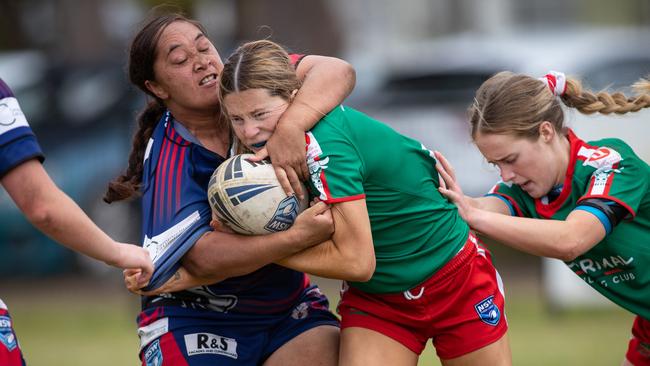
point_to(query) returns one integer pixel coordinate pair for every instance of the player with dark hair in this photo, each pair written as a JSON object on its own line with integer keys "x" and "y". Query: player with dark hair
{"x": 586, "y": 203}
{"x": 49, "y": 209}
{"x": 251, "y": 311}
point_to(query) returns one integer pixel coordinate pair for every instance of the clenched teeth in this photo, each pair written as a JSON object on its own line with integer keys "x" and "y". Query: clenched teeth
{"x": 208, "y": 79}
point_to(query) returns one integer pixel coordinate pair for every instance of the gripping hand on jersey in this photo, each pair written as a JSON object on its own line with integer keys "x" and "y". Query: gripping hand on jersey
{"x": 450, "y": 189}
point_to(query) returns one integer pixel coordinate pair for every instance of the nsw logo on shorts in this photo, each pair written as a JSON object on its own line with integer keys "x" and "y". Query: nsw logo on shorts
{"x": 153, "y": 355}
{"x": 7, "y": 336}
{"x": 488, "y": 311}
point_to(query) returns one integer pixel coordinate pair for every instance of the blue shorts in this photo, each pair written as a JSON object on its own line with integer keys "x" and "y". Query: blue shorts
{"x": 203, "y": 337}
{"x": 10, "y": 354}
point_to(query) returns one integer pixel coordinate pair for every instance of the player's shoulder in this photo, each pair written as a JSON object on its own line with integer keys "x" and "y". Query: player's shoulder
{"x": 5, "y": 90}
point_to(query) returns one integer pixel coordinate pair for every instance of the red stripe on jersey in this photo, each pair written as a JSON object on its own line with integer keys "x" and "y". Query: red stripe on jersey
{"x": 170, "y": 176}
{"x": 163, "y": 186}
{"x": 346, "y": 199}
{"x": 157, "y": 210}
{"x": 179, "y": 174}
{"x": 146, "y": 319}
{"x": 547, "y": 211}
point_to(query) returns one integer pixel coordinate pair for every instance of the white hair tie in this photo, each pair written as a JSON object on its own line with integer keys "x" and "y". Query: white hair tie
{"x": 556, "y": 81}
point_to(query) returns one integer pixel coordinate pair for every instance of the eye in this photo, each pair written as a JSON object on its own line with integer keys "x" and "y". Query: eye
{"x": 235, "y": 120}
{"x": 260, "y": 115}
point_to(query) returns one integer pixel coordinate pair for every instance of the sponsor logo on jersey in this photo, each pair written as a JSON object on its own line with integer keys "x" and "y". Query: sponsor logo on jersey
{"x": 316, "y": 165}
{"x": 284, "y": 215}
{"x": 7, "y": 336}
{"x": 152, "y": 331}
{"x": 301, "y": 311}
{"x": 208, "y": 343}
{"x": 487, "y": 311}
{"x": 588, "y": 265}
{"x": 159, "y": 244}
{"x": 11, "y": 116}
{"x": 209, "y": 300}
{"x": 601, "y": 158}
{"x": 153, "y": 355}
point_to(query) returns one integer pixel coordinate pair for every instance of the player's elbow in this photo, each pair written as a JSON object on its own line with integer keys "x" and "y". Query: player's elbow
{"x": 39, "y": 214}
{"x": 570, "y": 249}
{"x": 360, "y": 267}
{"x": 197, "y": 264}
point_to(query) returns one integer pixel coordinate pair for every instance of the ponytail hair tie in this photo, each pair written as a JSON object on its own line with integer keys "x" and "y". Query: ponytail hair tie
{"x": 556, "y": 81}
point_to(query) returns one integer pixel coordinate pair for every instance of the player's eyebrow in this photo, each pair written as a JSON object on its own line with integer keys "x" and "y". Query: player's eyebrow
{"x": 176, "y": 45}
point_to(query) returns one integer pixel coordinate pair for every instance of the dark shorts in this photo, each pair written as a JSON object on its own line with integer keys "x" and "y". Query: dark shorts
{"x": 461, "y": 307}
{"x": 213, "y": 338}
{"x": 10, "y": 354}
{"x": 638, "y": 351}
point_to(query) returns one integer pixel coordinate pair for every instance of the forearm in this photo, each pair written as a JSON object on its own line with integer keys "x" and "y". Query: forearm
{"x": 55, "y": 214}
{"x": 328, "y": 260}
{"x": 547, "y": 238}
{"x": 326, "y": 84}
{"x": 74, "y": 229}
{"x": 220, "y": 255}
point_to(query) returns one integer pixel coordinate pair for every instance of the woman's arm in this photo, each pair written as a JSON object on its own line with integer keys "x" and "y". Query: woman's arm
{"x": 561, "y": 239}
{"x": 327, "y": 81}
{"x": 59, "y": 217}
{"x": 218, "y": 255}
{"x": 349, "y": 255}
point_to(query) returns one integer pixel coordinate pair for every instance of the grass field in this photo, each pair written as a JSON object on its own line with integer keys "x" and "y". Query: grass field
{"x": 68, "y": 323}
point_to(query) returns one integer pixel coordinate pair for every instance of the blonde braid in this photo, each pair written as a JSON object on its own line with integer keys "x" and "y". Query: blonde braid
{"x": 605, "y": 103}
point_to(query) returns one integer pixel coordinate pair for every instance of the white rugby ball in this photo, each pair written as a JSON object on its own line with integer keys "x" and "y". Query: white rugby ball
{"x": 247, "y": 197}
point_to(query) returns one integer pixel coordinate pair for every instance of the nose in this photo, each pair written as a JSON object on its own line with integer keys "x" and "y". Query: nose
{"x": 250, "y": 130}
{"x": 201, "y": 62}
{"x": 507, "y": 174}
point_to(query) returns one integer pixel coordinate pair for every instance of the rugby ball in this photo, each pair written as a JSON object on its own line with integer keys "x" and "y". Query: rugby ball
{"x": 247, "y": 197}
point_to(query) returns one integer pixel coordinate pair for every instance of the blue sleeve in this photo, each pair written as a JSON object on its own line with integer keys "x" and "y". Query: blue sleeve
{"x": 168, "y": 247}
{"x": 609, "y": 212}
{"x": 18, "y": 150}
{"x": 600, "y": 215}
{"x": 17, "y": 141}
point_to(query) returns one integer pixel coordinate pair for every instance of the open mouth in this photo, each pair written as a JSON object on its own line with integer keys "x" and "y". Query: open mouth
{"x": 208, "y": 79}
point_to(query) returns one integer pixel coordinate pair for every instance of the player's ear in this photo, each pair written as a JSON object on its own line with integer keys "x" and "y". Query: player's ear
{"x": 546, "y": 131}
{"x": 156, "y": 89}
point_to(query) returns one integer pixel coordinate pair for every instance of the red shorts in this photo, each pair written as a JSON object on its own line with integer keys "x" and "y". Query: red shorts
{"x": 638, "y": 351}
{"x": 461, "y": 307}
{"x": 10, "y": 354}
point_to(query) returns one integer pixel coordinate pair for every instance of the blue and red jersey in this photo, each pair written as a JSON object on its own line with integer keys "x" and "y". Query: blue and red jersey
{"x": 176, "y": 213}
{"x": 18, "y": 143}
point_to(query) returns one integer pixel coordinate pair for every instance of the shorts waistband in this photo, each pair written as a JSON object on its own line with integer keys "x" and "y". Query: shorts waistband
{"x": 461, "y": 258}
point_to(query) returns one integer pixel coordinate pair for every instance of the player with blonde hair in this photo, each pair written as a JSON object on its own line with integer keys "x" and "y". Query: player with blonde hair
{"x": 584, "y": 202}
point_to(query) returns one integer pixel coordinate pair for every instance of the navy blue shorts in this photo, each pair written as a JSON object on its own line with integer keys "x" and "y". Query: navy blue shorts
{"x": 203, "y": 337}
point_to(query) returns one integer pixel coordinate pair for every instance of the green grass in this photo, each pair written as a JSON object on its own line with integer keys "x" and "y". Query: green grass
{"x": 69, "y": 323}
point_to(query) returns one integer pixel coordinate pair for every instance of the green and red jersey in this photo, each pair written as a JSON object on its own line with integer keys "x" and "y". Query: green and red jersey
{"x": 607, "y": 169}
{"x": 415, "y": 230}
